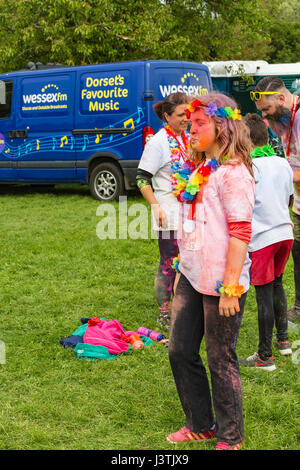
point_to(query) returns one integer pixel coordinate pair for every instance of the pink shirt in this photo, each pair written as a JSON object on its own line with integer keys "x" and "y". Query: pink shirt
{"x": 227, "y": 197}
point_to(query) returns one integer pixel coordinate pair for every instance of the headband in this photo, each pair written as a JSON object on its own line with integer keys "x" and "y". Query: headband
{"x": 212, "y": 109}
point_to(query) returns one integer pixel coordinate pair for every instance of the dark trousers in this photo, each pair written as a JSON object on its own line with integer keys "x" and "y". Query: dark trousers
{"x": 195, "y": 315}
{"x": 165, "y": 276}
{"x": 271, "y": 308}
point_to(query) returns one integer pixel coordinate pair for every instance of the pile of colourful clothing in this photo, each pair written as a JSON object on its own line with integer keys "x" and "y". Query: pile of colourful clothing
{"x": 97, "y": 338}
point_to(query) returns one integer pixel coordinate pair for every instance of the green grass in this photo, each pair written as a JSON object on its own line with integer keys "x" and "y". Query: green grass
{"x": 55, "y": 270}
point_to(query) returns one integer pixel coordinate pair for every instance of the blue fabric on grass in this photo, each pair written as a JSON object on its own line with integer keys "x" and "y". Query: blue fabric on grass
{"x": 71, "y": 341}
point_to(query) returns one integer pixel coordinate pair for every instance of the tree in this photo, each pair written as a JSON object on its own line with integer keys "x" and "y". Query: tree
{"x": 77, "y": 32}
{"x": 224, "y": 30}
{"x": 285, "y": 33}
{"x": 83, "y": 32}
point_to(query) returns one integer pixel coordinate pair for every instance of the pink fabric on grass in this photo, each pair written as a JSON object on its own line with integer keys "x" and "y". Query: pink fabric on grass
{"x": 107, "y": 333}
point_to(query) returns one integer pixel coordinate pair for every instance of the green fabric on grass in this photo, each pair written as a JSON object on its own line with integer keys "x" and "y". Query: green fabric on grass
{"x": 92, "y": 352}
{"x": 80, "y": 330}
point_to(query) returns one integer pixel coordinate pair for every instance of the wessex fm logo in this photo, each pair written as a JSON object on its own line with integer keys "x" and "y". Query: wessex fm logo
{"x": 195, "y": 89}
{"x": 46, "y": 96}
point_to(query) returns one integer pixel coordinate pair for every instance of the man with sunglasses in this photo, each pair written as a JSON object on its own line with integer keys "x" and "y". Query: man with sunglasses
{"x": 282, "y": 110}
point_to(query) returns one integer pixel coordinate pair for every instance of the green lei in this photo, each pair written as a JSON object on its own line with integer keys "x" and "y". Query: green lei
{"x": 265, "y": 151}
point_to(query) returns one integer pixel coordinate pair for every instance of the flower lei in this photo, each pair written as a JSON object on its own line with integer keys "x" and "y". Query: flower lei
{"x": 230, "y": 290}
{"x": 181, "y": 165}
{"x": 212, "y": 109}
{"x": 184, "y": 189}
{"x": 175, "y": 264}
{"x": 265, "y": 151}
{"x": 177, "y": 150}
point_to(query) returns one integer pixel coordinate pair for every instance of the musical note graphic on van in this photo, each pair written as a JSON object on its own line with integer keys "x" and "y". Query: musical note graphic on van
{"x": 85, "y": 142}
{"x": 64, "y": 141}
{"x": 129, "y": 124}
{"x": 140, "y": 114}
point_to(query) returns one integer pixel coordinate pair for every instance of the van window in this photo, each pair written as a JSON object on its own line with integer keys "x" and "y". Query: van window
{"x": 6, "y": 88}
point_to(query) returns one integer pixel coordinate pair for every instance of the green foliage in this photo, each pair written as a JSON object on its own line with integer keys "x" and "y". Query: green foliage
{"x": 240, "y": 72}
{"x": 285, "y": 33}
{"x": 285, "y": 43}
{"x": 223, "y": 30}
{"x": 74, "y": 32}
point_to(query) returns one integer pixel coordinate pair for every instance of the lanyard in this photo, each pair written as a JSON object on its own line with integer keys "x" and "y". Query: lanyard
{"x": 288, "y": 139}
{"x": 184, "y": 140}
{"x": 189, "y": 224}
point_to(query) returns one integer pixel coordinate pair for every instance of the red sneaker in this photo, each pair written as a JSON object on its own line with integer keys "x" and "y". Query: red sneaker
{"x": 284, "y": 347}
{"x": 186, "y": 435}
{"x": 226, "y": 446}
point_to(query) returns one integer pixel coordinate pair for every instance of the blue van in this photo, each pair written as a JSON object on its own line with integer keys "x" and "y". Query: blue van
{"x": 86, "y": 124}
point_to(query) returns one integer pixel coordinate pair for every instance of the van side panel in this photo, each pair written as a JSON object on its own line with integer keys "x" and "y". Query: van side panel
{"x": 67, "y": 123}
{"x": 110, "y": 113}
{"x": 45, "y": 108}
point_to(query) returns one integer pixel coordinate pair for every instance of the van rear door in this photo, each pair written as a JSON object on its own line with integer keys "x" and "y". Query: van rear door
{"x": 45, "y": 108}
{"x": 8, "y": 155}
{"x": 166, "y": 77}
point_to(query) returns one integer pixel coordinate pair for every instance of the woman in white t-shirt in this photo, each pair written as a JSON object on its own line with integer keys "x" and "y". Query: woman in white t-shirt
{"x": 154, "y": 181}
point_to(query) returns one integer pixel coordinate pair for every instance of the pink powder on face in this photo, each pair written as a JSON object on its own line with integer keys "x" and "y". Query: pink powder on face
{"x": 206, "y": 141}
{"x": 203, "y": 131}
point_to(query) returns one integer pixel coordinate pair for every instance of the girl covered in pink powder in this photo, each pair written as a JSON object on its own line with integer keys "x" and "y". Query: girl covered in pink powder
{"x": 215, "y": 229}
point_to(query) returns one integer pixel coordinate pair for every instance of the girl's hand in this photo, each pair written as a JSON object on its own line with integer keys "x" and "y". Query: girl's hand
{"x": 228, "y": 306}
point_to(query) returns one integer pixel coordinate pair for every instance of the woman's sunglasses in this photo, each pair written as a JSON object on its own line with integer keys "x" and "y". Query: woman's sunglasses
{"x": 256, "y": 95}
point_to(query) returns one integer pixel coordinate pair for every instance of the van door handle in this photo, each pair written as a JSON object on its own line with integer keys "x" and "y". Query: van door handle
{"x": 17, "y": 134}
{"x": 148, "y": 95}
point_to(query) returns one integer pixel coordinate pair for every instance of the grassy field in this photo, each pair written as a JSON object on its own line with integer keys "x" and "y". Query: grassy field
{"x": 55, "y": 270}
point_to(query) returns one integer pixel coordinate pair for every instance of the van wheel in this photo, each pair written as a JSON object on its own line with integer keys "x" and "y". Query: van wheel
{"x": 106, "y": 182}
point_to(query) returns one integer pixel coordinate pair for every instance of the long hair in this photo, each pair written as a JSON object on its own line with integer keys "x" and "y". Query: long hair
{"x": 232, "y": 136}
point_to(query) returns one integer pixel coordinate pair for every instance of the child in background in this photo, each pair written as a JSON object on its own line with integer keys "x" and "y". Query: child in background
{"x": 271, "y": 243}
